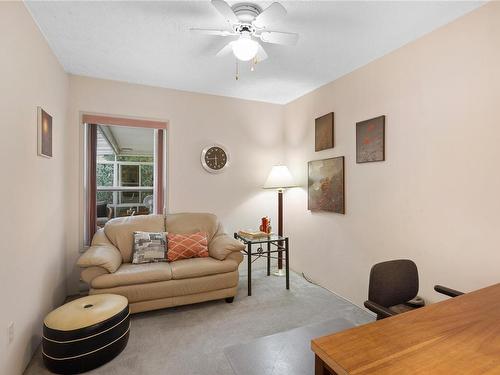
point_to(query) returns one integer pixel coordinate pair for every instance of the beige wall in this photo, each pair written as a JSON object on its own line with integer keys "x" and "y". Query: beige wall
{"x": 43, "y": 202}
{"x": 33, "y": 191}
{"x": 436, "y": 198}
{"x": 252, "y": 131}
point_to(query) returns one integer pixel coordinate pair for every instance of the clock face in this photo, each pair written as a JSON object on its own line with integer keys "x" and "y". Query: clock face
{"x": 214, "y": 158}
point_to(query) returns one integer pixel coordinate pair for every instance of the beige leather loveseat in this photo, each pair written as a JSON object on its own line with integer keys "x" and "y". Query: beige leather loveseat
{"x": 107, "y": 268}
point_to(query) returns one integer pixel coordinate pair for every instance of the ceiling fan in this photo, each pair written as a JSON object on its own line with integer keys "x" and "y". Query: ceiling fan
{"x": 248, "y": 23}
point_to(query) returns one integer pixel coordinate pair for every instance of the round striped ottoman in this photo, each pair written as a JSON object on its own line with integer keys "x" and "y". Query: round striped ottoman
{"x": 85, "y": 333}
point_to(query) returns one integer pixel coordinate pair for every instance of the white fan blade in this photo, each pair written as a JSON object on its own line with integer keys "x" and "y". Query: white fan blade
{"x": 261, "y": 54}
{"x": 226, "y": 11}
{"x": 228, "y": 48}
{"x": 272, "y": 13}
{"x": 212, "y": 31}
{"x": 278, "y": 37}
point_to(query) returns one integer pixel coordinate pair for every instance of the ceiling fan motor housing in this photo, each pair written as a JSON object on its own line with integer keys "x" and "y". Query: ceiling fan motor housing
{"x": 246, "y": 12}
{"x": 244, "y": 29}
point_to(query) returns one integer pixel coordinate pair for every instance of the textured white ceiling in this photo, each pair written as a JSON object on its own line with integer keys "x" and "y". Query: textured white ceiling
{"x": 150, "y": 42}
{"x": 139, "y": 140}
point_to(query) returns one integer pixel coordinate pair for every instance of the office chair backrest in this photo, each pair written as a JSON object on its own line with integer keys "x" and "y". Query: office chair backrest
{"x": 102, "y": 209}
{"x": 393, "y": 282}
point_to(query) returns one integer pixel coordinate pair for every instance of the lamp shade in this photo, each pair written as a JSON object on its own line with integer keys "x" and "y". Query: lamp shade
{"x": 245, "y": 48}
{"x": 279, "y": 177}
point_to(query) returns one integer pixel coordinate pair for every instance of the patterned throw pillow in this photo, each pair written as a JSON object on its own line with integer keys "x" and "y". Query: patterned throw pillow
{"x": 184, "y": 246}
{"x": 149, "y": 247}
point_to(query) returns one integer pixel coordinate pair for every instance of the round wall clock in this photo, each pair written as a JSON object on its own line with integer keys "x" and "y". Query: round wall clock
{"x": 215, "y": 158}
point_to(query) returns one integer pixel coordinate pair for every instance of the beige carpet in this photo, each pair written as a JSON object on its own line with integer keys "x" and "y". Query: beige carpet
{"x": 190, "y": 340}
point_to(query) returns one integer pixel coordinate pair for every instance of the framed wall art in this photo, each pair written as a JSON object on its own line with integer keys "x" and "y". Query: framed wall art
{"x": 326, "y": 185}
{"x": 324, "y": 132}
{"x": 44, "y": 123}
{"x": 370, "y": 140}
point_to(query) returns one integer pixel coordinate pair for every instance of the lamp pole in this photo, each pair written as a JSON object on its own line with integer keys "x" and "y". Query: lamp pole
{"x": 279, "y": 178}
{"x": 280, "y": 271}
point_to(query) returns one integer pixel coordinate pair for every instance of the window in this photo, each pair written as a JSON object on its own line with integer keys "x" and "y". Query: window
{"x": 132, "y": 171}
{"x": 124, "y": 173}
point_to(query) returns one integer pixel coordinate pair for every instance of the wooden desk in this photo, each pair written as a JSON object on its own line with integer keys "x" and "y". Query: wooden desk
{"x": 457, "y": 336}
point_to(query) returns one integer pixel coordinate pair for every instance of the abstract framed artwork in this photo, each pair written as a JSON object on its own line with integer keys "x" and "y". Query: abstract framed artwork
{"x": 44, "y": 123}
{"x": 370, "y": 140}
{"x": 324, "y": 132}
{"x": 326, "y": 185}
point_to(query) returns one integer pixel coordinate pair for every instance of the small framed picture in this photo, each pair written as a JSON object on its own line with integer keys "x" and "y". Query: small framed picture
{"x": 44, "y": 133}
{"x": 370, "y": 140}
{"x": 324, "y": 132}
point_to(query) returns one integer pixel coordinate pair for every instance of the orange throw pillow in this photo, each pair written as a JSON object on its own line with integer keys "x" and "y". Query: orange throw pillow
{"x": 185, "y": 246}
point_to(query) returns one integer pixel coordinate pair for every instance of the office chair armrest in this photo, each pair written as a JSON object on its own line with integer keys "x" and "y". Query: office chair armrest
{"x": 447, "y": 291}
{"x": 381, "y": 311}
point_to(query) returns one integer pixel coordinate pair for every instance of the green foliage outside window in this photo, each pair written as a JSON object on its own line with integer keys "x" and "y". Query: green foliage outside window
{"x": 146, "y": 175}
{"x": 104, "y": 174}
{"x": 105, "y": 196}
{"x": 143, "y": 159}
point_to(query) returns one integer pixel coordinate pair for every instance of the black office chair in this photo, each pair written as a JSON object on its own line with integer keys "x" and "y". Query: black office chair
{"x": 104, "y": 213}
{"x": 393, "y": 288}
{"x": 447, "y": 291}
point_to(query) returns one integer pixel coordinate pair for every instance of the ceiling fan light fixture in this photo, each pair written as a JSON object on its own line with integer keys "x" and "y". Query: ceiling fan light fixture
{"x": 245, "y": 49}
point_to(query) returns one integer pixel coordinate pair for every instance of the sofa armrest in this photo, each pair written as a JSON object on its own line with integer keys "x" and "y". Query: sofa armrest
{"x": 235, "y": 256}
{"x": 90, "y": 273}
{"x": 223, "y": 245}
{"x": 101, "y": 255}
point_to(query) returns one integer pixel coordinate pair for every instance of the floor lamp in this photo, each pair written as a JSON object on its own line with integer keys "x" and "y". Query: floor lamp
{"x": 279, "y": 178}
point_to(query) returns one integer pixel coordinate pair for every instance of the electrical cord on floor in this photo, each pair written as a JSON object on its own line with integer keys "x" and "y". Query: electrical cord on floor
{"x": 309, "y": 280}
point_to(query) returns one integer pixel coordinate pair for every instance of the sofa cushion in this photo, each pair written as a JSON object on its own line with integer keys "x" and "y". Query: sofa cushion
{"x": 132, "y": 274}
{"x": 187, "y": 223}
{"x": 186, "y": 246}
{"x": 197, "y": 267}
{"x": 173, "y": 288}
{"x": 120, "y": 231}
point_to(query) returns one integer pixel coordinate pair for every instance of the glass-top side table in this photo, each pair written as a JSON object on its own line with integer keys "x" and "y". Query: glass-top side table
{"x": 273, "y": 244}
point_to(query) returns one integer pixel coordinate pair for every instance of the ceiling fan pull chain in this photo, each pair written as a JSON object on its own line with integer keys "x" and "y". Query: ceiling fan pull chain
{"x": 237, "y": 77}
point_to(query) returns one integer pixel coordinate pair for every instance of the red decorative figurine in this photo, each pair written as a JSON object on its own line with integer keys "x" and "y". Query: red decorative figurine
{"x": 265, "y": 226}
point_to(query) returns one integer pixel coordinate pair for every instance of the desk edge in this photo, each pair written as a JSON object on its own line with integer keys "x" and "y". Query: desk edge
{"x": 339, "y": 370}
